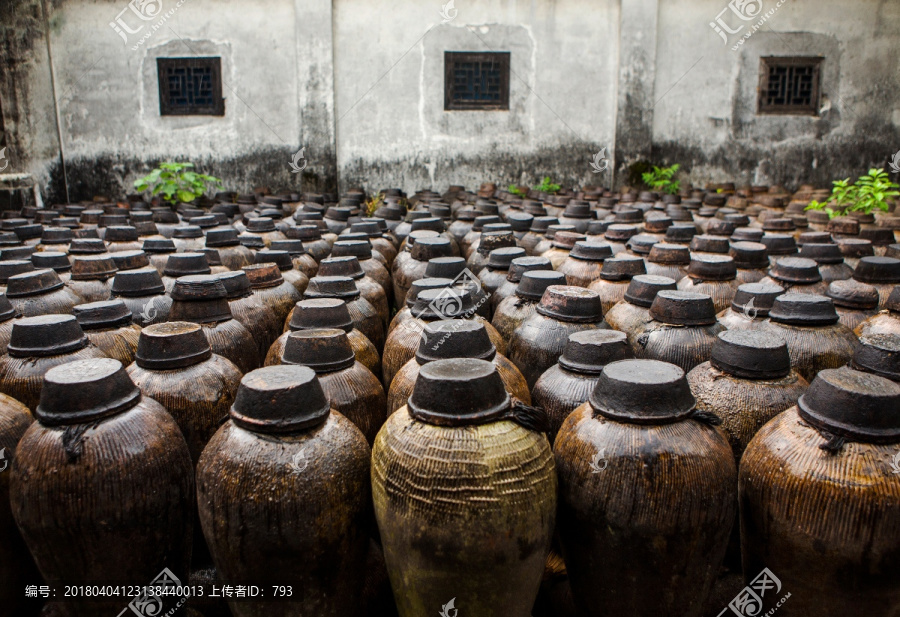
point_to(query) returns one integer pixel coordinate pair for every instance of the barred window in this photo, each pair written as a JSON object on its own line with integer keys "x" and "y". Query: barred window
{"x": 789, "y": 85}
{"x": 476, "y": 81}
{"x": 190, "y": 87}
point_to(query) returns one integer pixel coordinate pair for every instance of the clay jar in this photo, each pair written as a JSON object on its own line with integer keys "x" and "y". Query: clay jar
{"x": 312, "y": 239}
{"x": 121, "y": 238}
{"x": 810, "y": 327}
{"x": 489, "y": 240}
{"x": 854, "y": 302}
{"x": 144, "y": 294}
{"x": 751, "y": 260}
{"x": 583, "y": 264}
{"x": 351, "y": 388}
{"x": 882, "y": 273}
{"x": 8, "y": 317}
{"x": 562, "y": 244}
{"x": 270, "y": 287}
{"x": 615, "y": 275}
{"x": 886, "y": 321}
{"x": 176, "y": 367}
{"x": 454, "y": 268}
{"x": 829, "y": 259}
{"x": 109, "y": 327}
{"x": 713, "y": 275}
{"x": 251, "y": 310}
{"x": 682, "y": 330}
{"x": 747, "y": 382}
{"x": 538, "y": 342}
{"x": 368, "y": 287}
{"x": 797, "y": 275}
{"x": 457, "y": 441}
{"x": 188, "y": 238}
{"x": 518, "y": 267}
{"x": 669, "y": 260}
{"x": 633, "y": 311}
{"x": 203, "y": 300}
{"x": 269, "y": 503}
{"x": 36, "y": 345}
{"x": 184, "y": 264}
{"x": 92, "y": 277}
{"x": 494, "y": 274}
{"x": 405, "y": 271}
{"x": 158, "y": 251}
{"x": 365, "y": 318}
{"x": 515, "y": 309}
{"x": 568, "y": 383}
{"x": 285, "y": 264}
{"x": 643, "y": 482}
{"x": 40, "y": 293}
{"x": 405, "y": 313}
{"x": 878, "y": 354}
{"x": 535, "y": 235}
{"x": 17, "y": 569}
{"x": 372, "y": 227}
{"x": 96, "y": 437}
{"x": 750, "y": 306}
{"x": 233, "y": 254}
{"x": 374, "y": 269}
{"x": 807, "y": 482}
{"x": 12, "y": 267}
{"x": 58, "y": 262}
{"x": 454, "y": 338}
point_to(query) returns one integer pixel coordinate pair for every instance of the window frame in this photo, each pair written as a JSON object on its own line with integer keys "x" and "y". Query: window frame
{"x": 766, "y": 63}
{"x": 167, "y": 108}
{"x": 450, "y": 60}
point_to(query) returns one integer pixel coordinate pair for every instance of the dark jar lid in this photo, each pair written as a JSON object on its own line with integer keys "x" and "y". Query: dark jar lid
{"x": 781, "y": 224}
{"x": 341, "y": 266}
{"x": 712, "y": 268}
{"x": 501, "y": 259}
{"x": 46, "y": 335}
{"x": 879, "y": 354}
{"x": 643, "y": 288}
{"x": 571, "y": 304}
{"x": 264, "y": 276}
{"x": 33, "y": 283}
{"x": 445, "y": 267}
{"x": 683, "y": 308}
{"x": 422, "y": 284}
{"x": 158, "y": 245}
{"x": 443, "y": 303}
{"x": 779, "y": 244}
{"x": 535, "y": 283}
{"x": 199, "y": 299}
{"x": 121, "y": 233}
{"x": 85, "y": 391}
{"x": 826, "y": 253}
{"x": 852, "y": 404}
{"x": 280, "y": 399}
{"x": 172, "y": 345}
{"x": 749, "y": 255}
{"x": 25, "y": 232}
{"x": 799, "y": 309}
{"x": 251, "y": 241}
{"x": 136, "y": 283}
{"x": 876, "y": 235}
{"x": 521, "y": 265}
{"x": 360, "y": 249}
{"x": 282, "y": 259}
{"x": 17, "y": 253}
{"x": 796, "y": 270}
{"x": 566, "y": 240}
{"x": 321, "y": 313}
{"x": 619, "y": 232}
{"x": 183, "y": 264}
{"x": 878, "y": 270}
{"x": 425, "y": 249}
{"x": 341, "y": 287}
{"x": 103, "y": 314}
{"x": 622, "y": 268}
{"x": 7, "y": 310}
{"x": 681, "y": 233}
{"x": 747, "y": 234}
{"x": 642, "y": 392}
{"x": 323, "y": 350}
{"x": 657, "y": 224}
{"x": 843, "y": 225}
{"x": 755, "y": 299}
{"x": 57, "y": 235}
{"x": 669, "y": 254}
{"x": 93, "y": 268}
{"x": 588, "y": 351}
{"x": 222, "y": 237}
{"x": 455, "y": 338}
{"x": 591, "y": 251}
{"x": 709, "y": 244}
{"x": 814, "y": 237}
{"x": 539, "y": 225}
{"x": 718, "y": 227}
{"x": 12, "y": 267}
{"x": 642, "y": 244}
{"x": 130, "y": 260}
{"x": 458, "y": 392}
{"x": 852, "y": 294}
{"x": 751, "y": 354}
{"x": 855, "y": 247}
{"x": 294, "y": 247}
{"x": 187, "y": 231}
{"x": 48, "y": 259}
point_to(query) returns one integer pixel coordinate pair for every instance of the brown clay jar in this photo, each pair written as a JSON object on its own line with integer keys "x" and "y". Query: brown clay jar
{"x": 568, "y": 383}
{"x": 669, "y": 260}
{"x": 251, "y": 310}
{"x": 634, "y": 309}
{"x": 454, "y": 268}
{"x": 882, "y": 273}
{"x": 312, "y": 239}
{"x": 454, "y": 338}
{"x": 751, "y": 260}
{"x": 143, "y": 292}
{"x": 158, "y": 251}
{"x": 644, "y": 479}
{"x": 681, "y": 331}
{"x": 458, "y": 440}
{"x": 40, "y": 293}
{"x": 518, "y": 267}
{"x": 270, "y": 507}
{"x": 886, "y": 321}
{"x": 301, "y": 258}
{"x": 615, "y": 275}
{"x": 405, "y": 271}
{"x": 121, "y": 238}
{"x": 562, "y": 245}
{"x": 176, "y": 367}
{"x": 12, "y": 267}
{"x": 184, "y": 264}
{"x": 377, "y": 238}
{"x": 878, "y": 354}
{"x": 405, "y": 313}
{"x": 203, "y": 300}
{"x": 270, "y": 287}
{"x": 830, "y": 260}
{"x": 351, "y": 388}
{"x": 747, "y": 381}
{"x": 750, "y": 306}
{"x": 515, "y": 309}
{"x": 815, "y": 338}
{"x": 285, "y": 264}
{"x": 233, "y": 254}
{"x": 370, "y": 289}
{"x": 535, "y": 235}
{"x": 818, "y": 499}
{"x": 584, "y": 262}
{"x": 494, "y": 274}
{"x": 374, "y": 269}
{"x": 854, "y": 302}
{"x": 489, "y": 240}
{"x": 713, "y": 275}
{"x": 36, "y": 345}
{"x": 98, "y": 438}
{"x": 188, "y": 238}
{"x": 538, "y": 342}
{"x": 8, "y": 317}
{"x": 365, "y": 317}
{"x": 797, "y": 275}
{"x": 17, "y": 568}
{"x": 109, "y": 327}
{"x": 92, "y": 277}
{"x": 58, "y": 262}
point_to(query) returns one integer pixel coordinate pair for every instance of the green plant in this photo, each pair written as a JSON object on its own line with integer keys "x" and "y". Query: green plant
{"x": 546, "y": 186}
{"x": 176, "y": 182}
{"x": 515, "y": 190}
{"x": 373, "y": 203}
{"x": 869, "y": 192}
{"x": 661, "y": 179}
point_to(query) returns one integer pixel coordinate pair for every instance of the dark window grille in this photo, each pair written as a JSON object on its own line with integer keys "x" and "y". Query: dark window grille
{"x": 789, "y": 85}
{"x": 476, "y": 81}
{"x": 190, "y": 87}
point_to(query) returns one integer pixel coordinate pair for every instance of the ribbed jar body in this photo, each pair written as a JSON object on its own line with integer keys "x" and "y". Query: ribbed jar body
{"x": 357, "y": 394}
{"x": 464, "y": 512}
{"x": 259, "y": 318}
{"x": 510, "y": 314}
{"x": 628, "y": 318}
{"x": 828, "y": 526}
{"x": 559, "y": 392}
{"x": 93, "y": 290}
{"x": 280, "y": 299}
{"x": 645, "y": 535}
{"x": 537, "y": 344}
{"x": 363, "y": 349}
{"x": 610, "y": 292}
{"x": 233, "y": 341}
{"x": 58, "y": 302}
{"x": 117, "y": 343}
{"x": 815, "y": 348}
{"x": 721, "y": 292}
{"x": 580, "y": 272}
{"x": 147, "y": 310}
{"x": 22, "y": 378}
{"x": 272, "y": 512}
{"x": 684, "y": 346}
